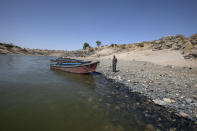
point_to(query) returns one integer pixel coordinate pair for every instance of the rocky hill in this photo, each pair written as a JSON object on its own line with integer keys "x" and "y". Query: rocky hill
{"x": 187, "y": 47}
{"x": 11, "y": 49}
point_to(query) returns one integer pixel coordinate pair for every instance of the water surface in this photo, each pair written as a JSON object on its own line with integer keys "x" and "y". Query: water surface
{"x": 35, "y": 98}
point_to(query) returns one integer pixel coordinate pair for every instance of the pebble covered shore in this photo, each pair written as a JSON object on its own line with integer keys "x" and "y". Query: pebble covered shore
{"x": 168, "y": 86}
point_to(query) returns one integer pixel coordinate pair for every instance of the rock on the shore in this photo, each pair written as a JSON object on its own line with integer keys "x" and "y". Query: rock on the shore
{"x": 188, "y": 100}
{"x": 166, "y": 86}
{"x": 182, "y": 114}
{"x": 159, "y": 102}
{"x": 168, "y": 100}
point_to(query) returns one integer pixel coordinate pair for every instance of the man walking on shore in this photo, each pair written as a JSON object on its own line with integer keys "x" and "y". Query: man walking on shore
{"x": 114, "y": 62}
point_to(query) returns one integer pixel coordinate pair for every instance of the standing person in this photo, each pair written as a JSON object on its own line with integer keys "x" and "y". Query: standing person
{"x": 114, "y": 62}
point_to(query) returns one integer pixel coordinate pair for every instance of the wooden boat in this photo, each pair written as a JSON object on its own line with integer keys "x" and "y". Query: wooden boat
{"x": 67, "y": 60}
{"x": 81, "y": 68}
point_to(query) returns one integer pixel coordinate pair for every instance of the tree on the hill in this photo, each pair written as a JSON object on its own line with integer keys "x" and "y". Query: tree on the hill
{"x": 86, "y": 45}
{"x": 98, "y": 43}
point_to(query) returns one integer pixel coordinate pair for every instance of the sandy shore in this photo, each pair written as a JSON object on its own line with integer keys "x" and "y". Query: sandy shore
{"x": 159, "y": 57}
{"x": 163, "y": 76}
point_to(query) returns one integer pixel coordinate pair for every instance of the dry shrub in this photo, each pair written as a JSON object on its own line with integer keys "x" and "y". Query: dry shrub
{"x": 123, "y": 46}
{"x": 83, "y": 55}
{"x": 141, "y": 44}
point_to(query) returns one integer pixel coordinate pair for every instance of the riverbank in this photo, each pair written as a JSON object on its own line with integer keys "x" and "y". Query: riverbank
{"x": 32, "y": 93}
{"x": 10, "y": 49}
{"x": 170, "y": 85}
{"x": 164, "y": 70}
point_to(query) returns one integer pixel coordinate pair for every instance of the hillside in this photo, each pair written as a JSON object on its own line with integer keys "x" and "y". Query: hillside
{"x": 186, "y": 46}
{"x": 11, "y": 49}
{"x": 174, "y": 50}
{"x": 164, "y": 70}
{"x": 6, "y": 49}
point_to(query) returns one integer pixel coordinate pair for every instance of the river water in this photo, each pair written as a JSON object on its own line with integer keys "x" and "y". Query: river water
{"x": 35, "y": 98}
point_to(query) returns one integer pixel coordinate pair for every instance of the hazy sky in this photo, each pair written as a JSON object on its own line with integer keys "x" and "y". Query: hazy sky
{"x": 67, "y": 24}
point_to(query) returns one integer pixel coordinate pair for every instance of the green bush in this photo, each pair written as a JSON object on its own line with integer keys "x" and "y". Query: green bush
{"x": 86, "y": 45}
{"x": 83, "y": 55}
{"x": 141, "y": 44}
{"x": 9, "y": 45}
{"x": 113, "y": 45}
{"x": 98, "y": 43}
{"x": 25, "y": 50}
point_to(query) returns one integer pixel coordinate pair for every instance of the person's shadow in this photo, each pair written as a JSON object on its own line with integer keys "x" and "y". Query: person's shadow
{"x": 117, "y": 71}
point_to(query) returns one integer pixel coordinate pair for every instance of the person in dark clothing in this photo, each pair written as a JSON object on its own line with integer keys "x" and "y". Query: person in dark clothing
{"x": 114, "y": 62}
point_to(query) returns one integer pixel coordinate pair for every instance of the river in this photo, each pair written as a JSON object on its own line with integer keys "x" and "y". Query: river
{"x": 35, "y": 98}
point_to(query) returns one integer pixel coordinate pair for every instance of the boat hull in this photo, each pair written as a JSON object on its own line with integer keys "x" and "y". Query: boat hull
{"x": 80, "y": 69}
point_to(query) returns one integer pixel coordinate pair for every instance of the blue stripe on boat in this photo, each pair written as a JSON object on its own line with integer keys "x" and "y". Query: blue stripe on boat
{"x": 71, "y": 63}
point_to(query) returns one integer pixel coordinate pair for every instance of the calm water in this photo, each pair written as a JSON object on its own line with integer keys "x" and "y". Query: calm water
{"x": 35, "y": 98}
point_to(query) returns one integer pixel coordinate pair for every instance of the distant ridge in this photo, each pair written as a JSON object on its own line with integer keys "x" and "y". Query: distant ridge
{"x": 187, "y": 46}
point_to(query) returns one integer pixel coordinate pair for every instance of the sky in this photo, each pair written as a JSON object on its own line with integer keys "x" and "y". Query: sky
{"x": 67, "y": 24}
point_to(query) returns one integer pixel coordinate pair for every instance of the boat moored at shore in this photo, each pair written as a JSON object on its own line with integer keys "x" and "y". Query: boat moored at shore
{"x": 77, "y": 67}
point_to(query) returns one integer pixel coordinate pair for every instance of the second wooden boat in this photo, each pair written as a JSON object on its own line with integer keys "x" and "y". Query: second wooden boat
{"x": 81, "y": 68}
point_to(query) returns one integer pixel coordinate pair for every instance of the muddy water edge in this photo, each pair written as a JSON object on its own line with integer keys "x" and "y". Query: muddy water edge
{"x": 137, "y": 106}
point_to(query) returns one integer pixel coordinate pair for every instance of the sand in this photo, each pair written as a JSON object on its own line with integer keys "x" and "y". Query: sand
{"x": 160, "y": 57}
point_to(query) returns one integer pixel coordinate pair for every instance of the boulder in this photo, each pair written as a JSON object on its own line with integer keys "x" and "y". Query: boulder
{"x": 188, "y": 100}
{"x": 159, "y": 102}
{"x": 4, "y": 51}
{"x": 182, "y": 114}
{"x": 191, "y": 54}
{"x": 193, "y": 39}
{"x": 175, "y": 42}
{"x": 168, "y": 100}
